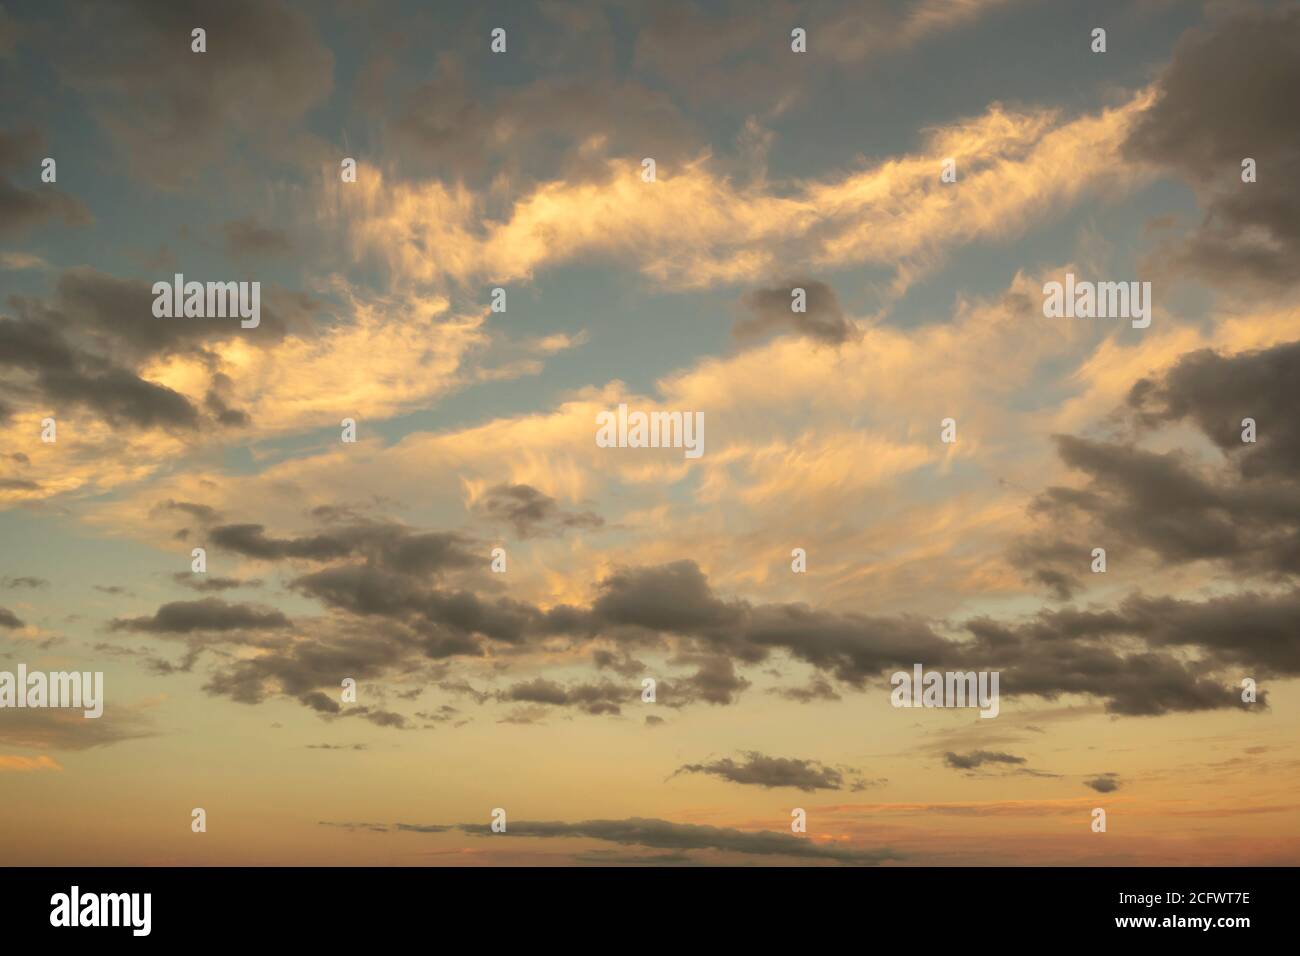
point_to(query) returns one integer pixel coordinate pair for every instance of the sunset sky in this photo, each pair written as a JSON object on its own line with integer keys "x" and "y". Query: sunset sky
{"x": 475, "y": 430}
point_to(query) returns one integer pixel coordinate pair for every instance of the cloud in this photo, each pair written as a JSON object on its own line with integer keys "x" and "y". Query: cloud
{"x": 264, "y": 68}
{"x": 247, "y": 238}
{"x": 26, "y": 581}
{"x": 208, "y": 614}
{"x": 1140, "y": 654}
{"x": 14, "y": 262}
{"x": 205, "y": 582}
{"x": 36, "y": 728}
{"x": 697, "y": 228}
{"x": 113, "y": 318}
{"x": 818, "y": 688}
{"x": 1216, "y": 391}
{"x": 723, "y": 51}
{"x": 9, "y": 619}
{"x": 8, "y": 34}
{"x": 1106, "y": 783}
{"x": 977, "y": 758}
{"x": 22, "y": 209}
{"x": 1229, "y": 94}
{"x": 17, "y": 261}
{"x": 1243, "y": 511}
{"x": 530, "y": 512}
{"x": 72, "y": 377}
{"x": 1238, "y": 509}
{"x": 663, "y": 835}
{"x": 760, "y": 770}
{"x": 27, "y": 764}
{"x": 552, "y": 127}
{"x": 407, "y": 620}
{"x": 772, "y": 310}
{"x": 604, "y": 698}
{"x": 390, "y": 546}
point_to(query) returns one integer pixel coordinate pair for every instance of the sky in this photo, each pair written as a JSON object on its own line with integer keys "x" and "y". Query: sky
{"x": 429, "y": 598}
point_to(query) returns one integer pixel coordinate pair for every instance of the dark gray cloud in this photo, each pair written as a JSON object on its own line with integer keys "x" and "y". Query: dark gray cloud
{"x": 247, "y": 238}
{"x": 203, "y": 513}
{"x": 9, "y": 619}
{"x": 760, "y": 770}
{"x": 208, "y": 614}
{"x": 8, "y": 34}
{"x": 264, "y": 68}
{"x": 208, "y": 582}
{"x": 771, "y": 311}
{"x": 550, "y": 123}
{"x": 978, "y": 758}
{"x": 622, "y": 664}
{"x": 86, "y": 346}
{"x": 1216, "y": 392}
{"x": 715, "y": 681}
{"x": 1062, "y": 585}
{"x": 531, "y": 513}
{"x": 1163, "y": 503}
{"x": 1142, "y": 656}
{"x": 818, "y": 688}
{"x": 25, "y": 581}
{"x": 444, "y": 714}
{"x": 602, "y": 698}
{"x": 665, "y": 835}
{"x": 669, "y": 597}
{"x": 300, "y": 669}
{"x": 25, "y": 206}
{"x": 1105, "y": 783}
{"x": 380, "y": 718}
{"x": 1228, "y": 94}
{"x": 451, "y": 621}
{"x": 661, "y": 835}
{"x": 114, "y": 318}
{"x": 1241, "y": 510}
{"x": 390, "y": 546}
{"x": 1051, "y": 654}
{"x": 67, "y": 375}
